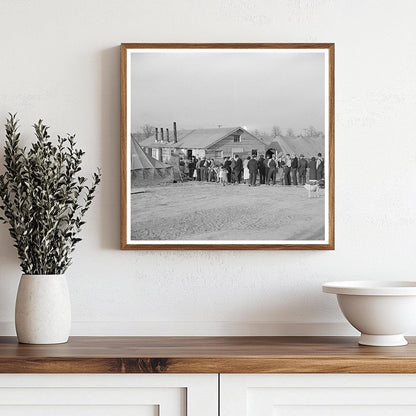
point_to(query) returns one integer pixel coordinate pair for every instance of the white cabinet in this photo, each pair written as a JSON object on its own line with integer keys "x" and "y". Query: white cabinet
{"x": 109, "y": 395}
{"x": 318, "y": 394}
{"x": 197, "y": 395}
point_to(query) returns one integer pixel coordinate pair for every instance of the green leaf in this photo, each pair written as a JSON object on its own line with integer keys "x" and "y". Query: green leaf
{"x": 44, "y": 197}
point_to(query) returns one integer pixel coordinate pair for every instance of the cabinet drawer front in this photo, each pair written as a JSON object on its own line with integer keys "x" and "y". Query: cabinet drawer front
{"x": 318, "y": 394}
{"x": 68, "y": 410}
{"x": 108, "y": 395}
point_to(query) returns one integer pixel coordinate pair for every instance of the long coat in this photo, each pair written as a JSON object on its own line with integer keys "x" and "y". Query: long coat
{"x": 252, "y": 165}
{"x": 312, "y": 169}
{"x": 302, "y": 165}
{"x": 238, "y": 166}
{"x": 260, "y": 164}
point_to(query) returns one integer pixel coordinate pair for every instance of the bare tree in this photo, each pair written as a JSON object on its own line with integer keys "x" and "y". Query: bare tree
{"x": 290, "y": 132}
{"x": 276, "y": 131}
{"x": 148, "y": 130}
{"x": 311, "y": 131}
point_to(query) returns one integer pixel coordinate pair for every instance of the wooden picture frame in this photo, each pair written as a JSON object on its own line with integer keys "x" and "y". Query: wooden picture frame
{"x": 156, "y": 153}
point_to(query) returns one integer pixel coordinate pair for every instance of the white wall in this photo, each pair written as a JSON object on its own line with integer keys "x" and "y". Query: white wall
{"x": 60, "y": 61}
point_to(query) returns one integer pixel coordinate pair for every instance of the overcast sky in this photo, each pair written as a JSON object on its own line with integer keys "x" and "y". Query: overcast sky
{"x": 202, "y": 90}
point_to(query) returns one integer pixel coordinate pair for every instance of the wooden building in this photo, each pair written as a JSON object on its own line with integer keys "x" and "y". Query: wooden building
{"x": 213, "y": 143}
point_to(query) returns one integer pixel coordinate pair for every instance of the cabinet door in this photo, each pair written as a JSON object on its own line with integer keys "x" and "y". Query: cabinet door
{"x": 108, "y": 395}
{"x": 318, "y": 394}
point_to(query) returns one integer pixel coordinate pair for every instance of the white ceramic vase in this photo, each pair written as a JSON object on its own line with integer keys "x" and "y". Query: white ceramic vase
{"x": 43, "y": 309}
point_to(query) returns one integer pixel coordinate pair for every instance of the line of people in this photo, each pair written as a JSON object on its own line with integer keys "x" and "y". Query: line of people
{"x": 285, "y": 169}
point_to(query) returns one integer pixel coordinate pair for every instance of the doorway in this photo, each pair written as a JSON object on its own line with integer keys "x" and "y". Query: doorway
{"x": 270, "y": 153}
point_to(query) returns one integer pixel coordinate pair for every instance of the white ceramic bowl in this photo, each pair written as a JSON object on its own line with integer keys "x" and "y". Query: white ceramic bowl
{"x": 381, "y": 311}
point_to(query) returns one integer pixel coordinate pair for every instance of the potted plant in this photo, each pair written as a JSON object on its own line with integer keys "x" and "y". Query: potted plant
{"x": 44, "y": 199}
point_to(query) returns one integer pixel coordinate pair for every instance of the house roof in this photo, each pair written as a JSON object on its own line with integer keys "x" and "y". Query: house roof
{"x": 194, "y": 139}
{"x": 308, "y": 146}
{"x": 139, "y": 160}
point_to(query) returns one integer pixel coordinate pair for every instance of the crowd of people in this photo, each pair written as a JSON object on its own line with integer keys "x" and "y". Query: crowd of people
{"x": 284, "y": 169}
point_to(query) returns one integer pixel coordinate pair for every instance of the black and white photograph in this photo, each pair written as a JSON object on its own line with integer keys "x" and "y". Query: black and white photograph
{"x": 228, "y": 146}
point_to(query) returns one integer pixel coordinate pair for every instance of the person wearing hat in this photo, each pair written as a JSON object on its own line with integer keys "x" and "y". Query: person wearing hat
{"x": 237, "y": 168}
{"x": 302, "y": 168}
{"x": 252, "y": 168}
{"x": 294, "y": 169}
{"x": 261, "y": 169}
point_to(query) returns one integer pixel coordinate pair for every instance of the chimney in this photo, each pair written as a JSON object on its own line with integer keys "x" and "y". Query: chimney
{"x": 175, "y": 133}
{"x": 161, "y": 134}
{"x": 157, "y": 135}
{"x": 167, "y": 135}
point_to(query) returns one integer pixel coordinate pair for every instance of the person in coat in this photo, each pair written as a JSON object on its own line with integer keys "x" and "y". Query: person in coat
{"x": 286, "y": 169}
{"x": 227, "y": 166}
{"x": 320, "y": 167}
{"x": 237, "y": 169}
{"x": 302, "y": 168}
{"x": 252, "y": 169}
{"x": 312, "y": 169}
{"x": 266, "y": 167}
{"x": 204, "y": 168}
{"x": 261, "y": 170}
{"x": 271, "y": 174}
{"x": 207, "y": 170}
{"x": 294, "y": 169}
{"x": 198, "y": 169}
{"x": 191, "y": 168}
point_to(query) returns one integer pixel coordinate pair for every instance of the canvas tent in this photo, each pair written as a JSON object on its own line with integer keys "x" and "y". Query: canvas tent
{"x": 146, "y": 170}
{"x": 308, "y": 146}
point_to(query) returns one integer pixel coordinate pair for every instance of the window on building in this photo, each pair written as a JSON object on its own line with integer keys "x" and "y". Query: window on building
{"x": 166, "y": 153}
{"x": 254, "y": 152}
{"x": 237, "y": 151}
{"x": 218, "y": 154}
{"x": 237, "y": 138}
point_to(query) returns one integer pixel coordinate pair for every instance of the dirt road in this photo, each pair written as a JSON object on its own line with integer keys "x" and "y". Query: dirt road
{"x": 207, "y": 211}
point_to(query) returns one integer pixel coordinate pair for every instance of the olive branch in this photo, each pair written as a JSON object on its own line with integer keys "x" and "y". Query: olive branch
{"x": 43, "y": 198}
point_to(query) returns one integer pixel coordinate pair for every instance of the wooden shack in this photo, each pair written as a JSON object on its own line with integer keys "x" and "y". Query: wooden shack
{"x": 215, "y": 143}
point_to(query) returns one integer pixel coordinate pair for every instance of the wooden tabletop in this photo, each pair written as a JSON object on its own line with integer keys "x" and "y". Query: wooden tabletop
{"x": 206, "y": 355}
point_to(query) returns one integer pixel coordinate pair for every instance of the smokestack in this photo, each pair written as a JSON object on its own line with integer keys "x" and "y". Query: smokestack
{"x": 161, "y": 133}
{"x": 157, "y": 134}
{"x": 167, "y": 135}
{"x": 175, "y": 133}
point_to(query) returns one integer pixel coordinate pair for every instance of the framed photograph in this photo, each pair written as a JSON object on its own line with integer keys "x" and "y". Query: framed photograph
{"x": 227, "y": 146}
